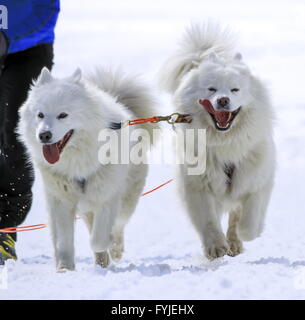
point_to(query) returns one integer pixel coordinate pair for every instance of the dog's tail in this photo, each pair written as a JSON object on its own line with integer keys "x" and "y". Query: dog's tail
{"x": 198, "y": 43}
{"x": 129, "y": 91}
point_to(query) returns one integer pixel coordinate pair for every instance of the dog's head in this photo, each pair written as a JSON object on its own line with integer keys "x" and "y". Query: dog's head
{"x": 53, "y": 114}
{"x": 221, "y": 90}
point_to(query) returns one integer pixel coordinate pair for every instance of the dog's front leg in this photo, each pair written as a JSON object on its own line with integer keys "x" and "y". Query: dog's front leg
{"x": 62, "y": 218}
{"x": 236, "y": 246}
{"x": 254, "y": 207}
{"x": 204, "y": 216}
{"x": 100, "y": 237}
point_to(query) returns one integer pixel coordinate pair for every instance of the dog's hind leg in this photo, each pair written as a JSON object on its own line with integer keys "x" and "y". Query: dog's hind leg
{"x": 117, "y": 248}
{"x": 88, "y": 219}
{"x": 101, "y": 258}
{"x": 254, "y": 208}
{"x": 235, "y": 244}
{"x": 135, "y": 184}
{"x": 100, "y": 234}
{"x": 62, "y": 219}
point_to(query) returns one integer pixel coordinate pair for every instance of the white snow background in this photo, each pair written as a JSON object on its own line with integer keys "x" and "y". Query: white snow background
{"x": 163, "y": 258}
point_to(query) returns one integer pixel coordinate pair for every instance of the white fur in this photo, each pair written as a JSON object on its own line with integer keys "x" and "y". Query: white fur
{"x": 207, "y": 59}
{"x": 111, "y": 191}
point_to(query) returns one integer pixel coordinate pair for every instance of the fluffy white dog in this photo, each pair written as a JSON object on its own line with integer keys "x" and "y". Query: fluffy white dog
{"x": 210, "y": 81}
{"x": 60, "y": 124}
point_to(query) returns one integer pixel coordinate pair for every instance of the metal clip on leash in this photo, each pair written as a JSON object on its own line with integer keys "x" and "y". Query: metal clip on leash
{"x": 175, "y": 118}
{"x": 171, "y": 119}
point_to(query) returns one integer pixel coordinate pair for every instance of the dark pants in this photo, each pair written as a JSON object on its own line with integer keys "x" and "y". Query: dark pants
{"x": 16, "y": 174}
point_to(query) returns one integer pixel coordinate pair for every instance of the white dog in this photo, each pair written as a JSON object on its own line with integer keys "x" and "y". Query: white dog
{"x": 212, "y": 83}
{"x": 60, "y": 124}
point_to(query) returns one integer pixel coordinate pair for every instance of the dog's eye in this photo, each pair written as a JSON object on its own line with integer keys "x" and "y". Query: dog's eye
{"x": 235, "y": 90}
{"x": 212, "y": 89}
{"x": 62, "y": 115}
{"x": 40, "y": 115}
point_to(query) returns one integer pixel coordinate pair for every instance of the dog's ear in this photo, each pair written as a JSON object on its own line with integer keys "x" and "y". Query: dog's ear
{"x": 238, "y": 57}
{"x": 44, "y": 77}
{"x": 77, "y": 75}
{"x": 213, "y": 57}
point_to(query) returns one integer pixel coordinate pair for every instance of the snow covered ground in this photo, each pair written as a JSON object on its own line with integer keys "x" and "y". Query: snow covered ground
{"x": 163, "y": 258}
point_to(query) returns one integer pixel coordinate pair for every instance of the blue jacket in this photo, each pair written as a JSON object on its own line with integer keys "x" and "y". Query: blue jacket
{"x": 30, "y": 23}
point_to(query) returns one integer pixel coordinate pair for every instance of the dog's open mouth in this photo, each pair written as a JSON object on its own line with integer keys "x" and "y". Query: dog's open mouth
{"x": 223, "y": 118}
{"x": 52, "y": 152}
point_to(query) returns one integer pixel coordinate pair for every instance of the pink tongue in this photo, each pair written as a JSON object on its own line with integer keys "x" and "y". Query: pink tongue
{"x": 51, "y": 152}
{"x": 222, "y": 117}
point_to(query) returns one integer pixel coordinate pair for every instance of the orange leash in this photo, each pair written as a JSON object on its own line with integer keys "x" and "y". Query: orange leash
{"x": 143, "y": 120}
{"x": 171, "y": 119}
{"x": 162, "y": 185}
{"x": 24, "y": 228}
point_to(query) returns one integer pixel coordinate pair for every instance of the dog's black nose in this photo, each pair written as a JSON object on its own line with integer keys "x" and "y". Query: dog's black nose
{"x": 45, "y": 136}
{"x": 223, "y": 102}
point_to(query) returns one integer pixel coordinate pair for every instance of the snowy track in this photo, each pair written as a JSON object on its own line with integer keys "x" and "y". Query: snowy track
{"x": 163, "y": 258}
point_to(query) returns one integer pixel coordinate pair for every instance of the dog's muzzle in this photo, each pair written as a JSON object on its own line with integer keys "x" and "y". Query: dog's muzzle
{"x": 51, "y": 152}
{"x": 222, "y": 118}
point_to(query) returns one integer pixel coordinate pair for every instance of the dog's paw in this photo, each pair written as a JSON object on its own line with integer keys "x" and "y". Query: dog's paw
{"x": 236, "y": 247}
{"x": 116, "y": 253}
{"x": 217, "y": 249}
{"x": 102, "y": 259}
{"x": 63, "y": 269}
{"x": 249, "y": 233}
